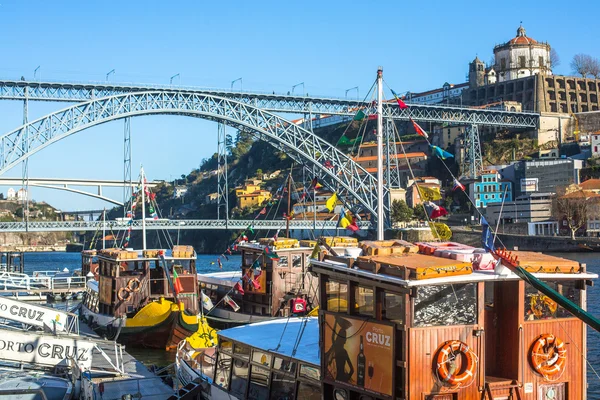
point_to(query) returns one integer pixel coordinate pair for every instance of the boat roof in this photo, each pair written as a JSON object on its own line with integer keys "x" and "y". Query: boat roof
{"x": 221, "y": 278}
{"x": 280, "y": 336}
{"x": 502, "y": 274}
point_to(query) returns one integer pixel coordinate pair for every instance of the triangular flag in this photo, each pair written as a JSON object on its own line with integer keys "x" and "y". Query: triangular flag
{"x": 229, "y": 301}
{"x": 270, "y": 254}
{"x": 330, "y": 204}
{"x": 420, "y": 131}
{"x": 219, "y": 262}
{"x": 263, "y": 211}
{"x": 443, "y": 154}
{"x": 177, "y": 287}
{"x": 353, "y": 226}
{"x": 344, "y": 220}
{"x": 315, "y": 184}
{"x": 360, "y": 115}
{"x": 372, "y": 117}
{"x": 429, "y": 194}
{"x": 206, "y": 301}
{"x": 256, "y": 265}
{"x": 250, "y": 229}
{"x": 401, "y": 104}
{"x": 458, "y": 185}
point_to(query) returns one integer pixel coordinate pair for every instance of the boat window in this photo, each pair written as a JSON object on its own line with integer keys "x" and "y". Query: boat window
{"x": 539, "y": 306}
{"x": 363, "y": 300}
{"x": 223, "y": 368}
{"x": 226, "y": 345}
{"x": 337, "y": 296}
{"x": 297, "y": 260}
{"x": 239, "y": 378}
{"x": 241, "y": 350}
{"x": 393, "y": 307}
{"x": 259, "y": 383}
{"x": 284, "y": 365}
{"x": 454, "y": 304}
{"x": 283, "y": 386}
{"x": 309, "y": 372}
{"x": 283, "y": 261}
{"x": 260, "y": 357}
{"x": 310, "y": 392}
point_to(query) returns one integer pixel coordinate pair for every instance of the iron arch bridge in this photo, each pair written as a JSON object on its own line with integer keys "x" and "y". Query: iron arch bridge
{"x": 335, "y": 169}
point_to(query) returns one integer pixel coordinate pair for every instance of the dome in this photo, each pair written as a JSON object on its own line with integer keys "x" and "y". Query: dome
{"x": 522, "y": 38}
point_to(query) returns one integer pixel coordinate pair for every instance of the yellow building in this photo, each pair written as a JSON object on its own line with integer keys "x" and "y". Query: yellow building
{"x": 251, "y": 194}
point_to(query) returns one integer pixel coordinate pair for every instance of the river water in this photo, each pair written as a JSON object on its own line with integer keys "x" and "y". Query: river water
{"x": 208, "y": 263}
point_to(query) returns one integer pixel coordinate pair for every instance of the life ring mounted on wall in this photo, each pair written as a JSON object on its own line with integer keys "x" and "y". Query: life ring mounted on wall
{"x": 456, "y": 364}
{"x": 134, "y": 285}
{"x": 548, "y": 356}
{"x": 123, "y": 294}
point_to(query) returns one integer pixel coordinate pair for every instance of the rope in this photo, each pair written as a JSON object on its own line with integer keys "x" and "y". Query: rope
{"x": 579, "y": 350}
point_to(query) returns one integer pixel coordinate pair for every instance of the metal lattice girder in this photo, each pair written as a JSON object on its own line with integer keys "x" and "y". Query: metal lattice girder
{"x": 82, "y": 92}
{"x": 473, "y": 162}
{"x": 188, "y": 224}
{"x": 222, "y": 179}
{"x": 299, "y": 144}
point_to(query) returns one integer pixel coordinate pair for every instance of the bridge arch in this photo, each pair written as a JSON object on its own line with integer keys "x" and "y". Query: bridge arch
{"x": 335, "y": 169}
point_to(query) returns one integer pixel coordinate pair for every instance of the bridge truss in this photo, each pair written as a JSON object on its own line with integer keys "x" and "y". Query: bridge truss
{"x": 277, "y": 103}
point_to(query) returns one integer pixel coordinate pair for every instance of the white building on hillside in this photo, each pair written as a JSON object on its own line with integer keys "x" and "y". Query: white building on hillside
{"x": 11, "y": 194}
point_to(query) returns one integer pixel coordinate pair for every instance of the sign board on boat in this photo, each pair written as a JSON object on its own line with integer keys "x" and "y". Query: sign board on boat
{"x": 33, "y": 315}
{"x": 359, "y": 353}
{"x": 44, "y": 349}
{"x": 529, "y": 185}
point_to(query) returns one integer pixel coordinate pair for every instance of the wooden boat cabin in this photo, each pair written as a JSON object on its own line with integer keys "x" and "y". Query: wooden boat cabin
{"x": 274, "y": 280}
{"x": 276, "y": 359}
{"x": 128, "y": 280}
{"x": 89, "y": 263}
{"x": 408, "y": 322}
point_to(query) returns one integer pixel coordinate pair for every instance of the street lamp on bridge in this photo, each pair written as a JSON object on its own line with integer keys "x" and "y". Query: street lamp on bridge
{"x": 112, "y": 71}
{"x": 235, "y": 80}
{"x": 354, "y": 88}
{"x": 177, "y": 75}
{"x": 35, "y": 71}
{"x": 296, "y": 85}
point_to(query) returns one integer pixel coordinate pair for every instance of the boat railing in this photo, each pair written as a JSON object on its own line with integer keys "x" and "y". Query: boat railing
{"x": 20, "y": 393}
{"x": 18, "y": 281}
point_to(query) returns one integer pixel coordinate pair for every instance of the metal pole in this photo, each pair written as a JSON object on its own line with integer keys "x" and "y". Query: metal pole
{"x": 143, "y": 209}
{"x": 175, "y": 76}
{"x": 380, "y": 208}
{"x": 25, "y": 146}
{"x": 294, "y": 87}
{"x": 112, "y": 71}
{"x": 127, "y": 186}
{"x": 289, "y": 200}
{"x": 104, "y": 229}
{"x": 35, "y": 72}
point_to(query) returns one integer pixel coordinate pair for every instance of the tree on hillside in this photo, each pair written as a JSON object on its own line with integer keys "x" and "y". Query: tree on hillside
{"x": 401, "y": 212}
{"x": 419, "y": 212}
{"x": 554, "y": 58}
{"x": 572, "y": 208}
{"x": 585, "y": 65}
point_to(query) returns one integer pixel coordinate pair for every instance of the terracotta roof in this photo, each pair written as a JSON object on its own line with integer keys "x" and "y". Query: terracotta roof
{"x": 580, "y": 194}
{"x": 522, "y": 40}
{"x": 591, "y": 184}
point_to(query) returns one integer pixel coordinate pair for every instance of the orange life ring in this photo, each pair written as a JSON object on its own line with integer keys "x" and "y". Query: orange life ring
{"x": 548, "y": 355}
{"x": 131, "y": 283}
{"x": 446, "y": 368}
{"x": 95, "y": 269}
{"x": 123, "y": 294}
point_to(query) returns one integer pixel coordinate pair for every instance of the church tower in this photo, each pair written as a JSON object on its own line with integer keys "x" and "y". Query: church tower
{"x": 476, "y": 73}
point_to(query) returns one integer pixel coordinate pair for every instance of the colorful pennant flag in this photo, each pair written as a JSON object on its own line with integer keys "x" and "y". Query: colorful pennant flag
{"x": 315, "y": 184}
{"x": 440, "y": 153}
{"x": 219, "y": 263}
{"x": 434, "y": 211}
{"x": 255, "y": 283}
{"x": 401, "y": 104}
{"x": 250, "y": 229}
{"x": 229, "y": 301}
{"x": 263, "y": 211}
{"x": 345, "y": 219}
{"x": 420, "y": 131}
{"x": 256, "y": 265}
{"x": 345, "y": 141}
{"x": 330, "y": 204}
{"x": 487, "y": 238}
{"x": 458, "y": 185}
{"x": 353, "y": 226}
{"x": 239, "y": 288}
{"x": 372, "y": 117}
{"x": 328, "y": 164}
{"x": 206, "y": 301}
{"x": 267, "y": 252}
{"x": 316, "y": 251}
{"x": 177, "y": 287}
{"x": 429, "y": 194}
{"x": 360, "y": 115}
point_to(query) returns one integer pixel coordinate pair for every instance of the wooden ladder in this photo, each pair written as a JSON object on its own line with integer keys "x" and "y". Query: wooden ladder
{"x": 511, "y": 385}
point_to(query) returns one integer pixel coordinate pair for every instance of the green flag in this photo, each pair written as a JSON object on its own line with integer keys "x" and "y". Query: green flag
{"x": 249, "y": 229}
{"x": 316, "y": 251}
{"x": 256, "y": 265}
{"x": 270, "y": 254}
{"x": 360, "y": 115}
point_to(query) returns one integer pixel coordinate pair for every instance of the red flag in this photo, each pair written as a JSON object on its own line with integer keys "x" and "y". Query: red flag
{"x": 263, "y": 211}
{"x": 328, "y": 164}
{"x": 255, "y": 283}
{"x": 353, "y": 226}
{"x": 315, "y": 184}
{"x": 458, "y": 185}
{"x": 372, "y": 117}
{"x": 420, "y": 131}
{"x": 239, "y": 288}
{"x": 434, "y": 211}
{"x": 219, "y": 262}
{"x": 401, "y": 104}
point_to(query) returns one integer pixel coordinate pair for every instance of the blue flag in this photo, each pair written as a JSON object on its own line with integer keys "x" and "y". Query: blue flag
{"x": 443, "y": 154}
{"x": 487, "y": 238}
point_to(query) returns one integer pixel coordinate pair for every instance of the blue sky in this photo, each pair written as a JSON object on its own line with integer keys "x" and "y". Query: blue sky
{"x": 329, "y": 45}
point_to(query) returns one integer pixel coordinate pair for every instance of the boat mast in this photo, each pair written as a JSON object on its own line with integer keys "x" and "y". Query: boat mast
{"x": 287, "y": 219}
{"x": 380, "y": 211}
{"x": 143, "y": 177}
{"x": 103, "y": 229}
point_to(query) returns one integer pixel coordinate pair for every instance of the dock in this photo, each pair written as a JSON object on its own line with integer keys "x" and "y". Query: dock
{"x": 15, "y": 284}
